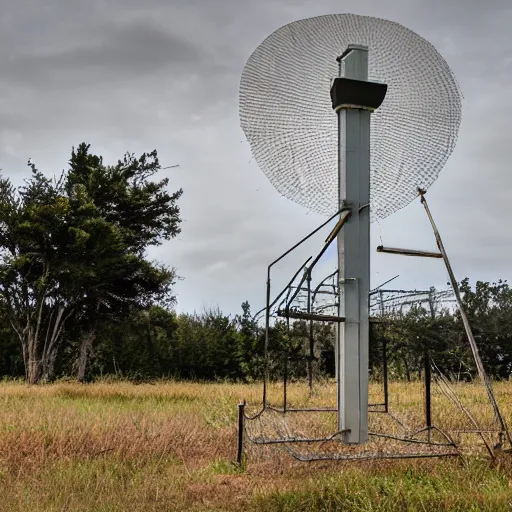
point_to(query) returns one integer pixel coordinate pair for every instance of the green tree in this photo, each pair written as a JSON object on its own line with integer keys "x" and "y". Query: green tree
{"x": 248, "y": 333}
{"x": 489, "y": 310}
{"x": 74, "y": 247}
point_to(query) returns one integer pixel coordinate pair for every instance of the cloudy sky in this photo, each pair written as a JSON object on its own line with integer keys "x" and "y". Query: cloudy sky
{"x": 131, "y": 75}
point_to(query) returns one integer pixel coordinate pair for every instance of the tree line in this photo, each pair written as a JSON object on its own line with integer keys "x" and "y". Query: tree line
{"x": 80, "y": 298}
{"x": 155, "y": 342}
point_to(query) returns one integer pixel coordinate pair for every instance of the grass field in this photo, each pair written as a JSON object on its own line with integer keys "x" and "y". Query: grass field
{"x": 169, "y": 446}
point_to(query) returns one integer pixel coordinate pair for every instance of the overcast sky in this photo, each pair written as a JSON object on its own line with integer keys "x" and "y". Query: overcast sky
{"x": 131, "y": 75}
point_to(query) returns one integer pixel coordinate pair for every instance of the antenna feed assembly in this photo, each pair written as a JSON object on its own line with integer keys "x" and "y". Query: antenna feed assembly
{"x": 350, "y": 93}
{"x": 357, "y": 94}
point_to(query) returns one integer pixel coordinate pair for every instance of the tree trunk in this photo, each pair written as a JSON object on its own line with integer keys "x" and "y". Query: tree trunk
{"x": 407, "y": 370}
{"x": 25, "y": 357}
{"x": 48, "y": 366}
{"x": 40, "y": 359}
{"x": 86, "y": 341}
{"x": 40, "y": 344}
{"x": 33, "y": 368}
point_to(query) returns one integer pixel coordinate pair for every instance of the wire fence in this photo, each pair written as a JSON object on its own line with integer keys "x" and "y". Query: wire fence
{"x": 435, "y": 416}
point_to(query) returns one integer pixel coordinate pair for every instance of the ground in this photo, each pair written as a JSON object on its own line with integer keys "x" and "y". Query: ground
{"x": 116, "y": 446}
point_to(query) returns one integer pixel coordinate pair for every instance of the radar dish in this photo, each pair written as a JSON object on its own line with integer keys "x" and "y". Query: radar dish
{"x": 287, "y": 117}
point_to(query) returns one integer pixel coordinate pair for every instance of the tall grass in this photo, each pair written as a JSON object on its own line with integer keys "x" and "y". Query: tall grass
{"x": 169, "y": 446}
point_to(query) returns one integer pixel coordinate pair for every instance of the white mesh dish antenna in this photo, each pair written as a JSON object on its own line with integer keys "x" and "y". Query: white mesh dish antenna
{"x": 287, "y": 116}
{"x": 397, "y": 111}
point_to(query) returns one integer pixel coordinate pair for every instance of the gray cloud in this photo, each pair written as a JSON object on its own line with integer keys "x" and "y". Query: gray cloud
{"x": 121, "y": 53}
{"x": 125, "y": 75}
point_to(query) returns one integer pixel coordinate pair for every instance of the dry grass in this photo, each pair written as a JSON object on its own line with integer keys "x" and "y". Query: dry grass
{"x": 168, "y": 446}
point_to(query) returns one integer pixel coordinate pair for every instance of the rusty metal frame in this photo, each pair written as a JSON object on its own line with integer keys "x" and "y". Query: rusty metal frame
{"x": 285, "y": 310}
{"x": 409, "y": 252}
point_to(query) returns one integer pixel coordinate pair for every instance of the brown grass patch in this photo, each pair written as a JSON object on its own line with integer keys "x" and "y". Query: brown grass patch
{"x": 169, "y": 446}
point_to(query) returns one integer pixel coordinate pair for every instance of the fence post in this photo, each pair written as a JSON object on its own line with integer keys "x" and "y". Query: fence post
{"x": 241, "y": 417}
{"x": 385, "y": 373}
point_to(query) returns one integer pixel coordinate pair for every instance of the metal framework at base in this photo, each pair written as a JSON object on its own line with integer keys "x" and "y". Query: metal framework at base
{"x": 389, "y": 436}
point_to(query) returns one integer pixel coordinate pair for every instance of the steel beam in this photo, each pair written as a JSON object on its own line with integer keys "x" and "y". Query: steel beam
{"x": 354, "y": 258}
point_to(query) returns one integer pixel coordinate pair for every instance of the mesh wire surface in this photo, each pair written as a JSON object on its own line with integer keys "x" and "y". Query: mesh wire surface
{"x": 287, "y": 117}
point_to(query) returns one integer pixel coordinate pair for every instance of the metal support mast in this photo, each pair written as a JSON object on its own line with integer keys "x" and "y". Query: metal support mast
{"x": 354, "y": 98}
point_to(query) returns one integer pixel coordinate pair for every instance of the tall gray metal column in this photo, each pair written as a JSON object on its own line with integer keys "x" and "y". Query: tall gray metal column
{"x": 354, "y": 256}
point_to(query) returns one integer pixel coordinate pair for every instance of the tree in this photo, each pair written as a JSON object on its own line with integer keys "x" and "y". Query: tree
{"x": 144, "y": 213}
{"x": 489, "y": 310}
{"x": 207, "y": 346}
{"x": 74, "y": 247}
{"x": 248, "y": 333}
